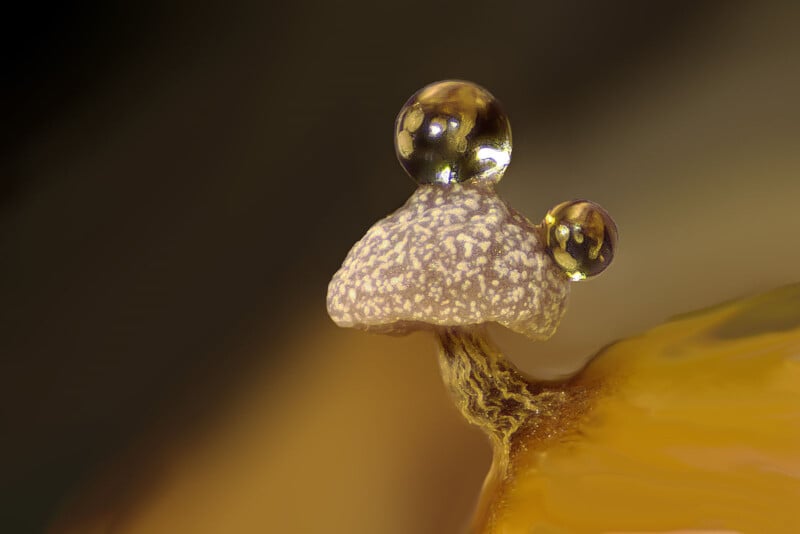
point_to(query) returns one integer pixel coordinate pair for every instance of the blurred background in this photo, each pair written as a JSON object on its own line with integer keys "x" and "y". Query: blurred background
{"x": 179, "y": 180}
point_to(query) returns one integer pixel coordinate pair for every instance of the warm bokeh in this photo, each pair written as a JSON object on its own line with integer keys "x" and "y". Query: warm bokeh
{"x": 180, "y": 180}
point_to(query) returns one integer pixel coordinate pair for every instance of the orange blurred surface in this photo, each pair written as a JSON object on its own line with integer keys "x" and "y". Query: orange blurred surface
{"x": 699, "y": 428}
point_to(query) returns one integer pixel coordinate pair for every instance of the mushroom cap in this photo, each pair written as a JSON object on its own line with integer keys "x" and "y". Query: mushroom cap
{"x": 451, "y": 256}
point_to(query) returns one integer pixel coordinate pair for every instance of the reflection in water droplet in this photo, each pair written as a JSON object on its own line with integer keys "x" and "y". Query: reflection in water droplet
{"x": 453, "y": 131}
{"x": 581, "y": 238}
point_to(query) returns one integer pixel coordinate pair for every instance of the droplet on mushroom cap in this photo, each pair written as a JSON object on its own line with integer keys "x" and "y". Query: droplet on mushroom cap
{"x": 452, "y": 256}
{"x": 582, "y": 238}
{"x": 453, "y": 131}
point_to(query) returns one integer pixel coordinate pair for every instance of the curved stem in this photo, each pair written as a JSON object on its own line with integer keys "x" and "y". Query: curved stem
{"x": 513, "y": 410}
{"x": 490, "y": 391}
{"x": 493, "y": 394}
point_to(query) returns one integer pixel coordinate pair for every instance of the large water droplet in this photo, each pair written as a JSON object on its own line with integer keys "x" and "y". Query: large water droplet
{"x": 453, "y": 131}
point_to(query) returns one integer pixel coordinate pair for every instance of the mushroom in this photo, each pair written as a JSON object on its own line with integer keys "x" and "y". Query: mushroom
{"x": 456, "y": 257}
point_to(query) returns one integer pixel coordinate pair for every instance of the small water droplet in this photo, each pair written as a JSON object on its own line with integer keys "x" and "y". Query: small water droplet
{"x": 581, "y": 238}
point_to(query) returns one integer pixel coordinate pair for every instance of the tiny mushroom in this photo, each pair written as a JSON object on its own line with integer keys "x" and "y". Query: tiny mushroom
{"x": 456, "y": 254}
{"x": 456, "y": 257}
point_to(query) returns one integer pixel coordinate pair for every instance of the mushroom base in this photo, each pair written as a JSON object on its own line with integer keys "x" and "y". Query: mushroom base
{"x": 493, "y": 394}
{"x": 513, "y": 410}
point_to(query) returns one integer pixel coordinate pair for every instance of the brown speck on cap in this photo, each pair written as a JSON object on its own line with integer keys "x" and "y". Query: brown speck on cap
{"x": 451, "y": 256}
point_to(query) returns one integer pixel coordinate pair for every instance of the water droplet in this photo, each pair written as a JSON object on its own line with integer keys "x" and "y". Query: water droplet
{"x": 453, "y": 131}
{"x": 581, "y": 238}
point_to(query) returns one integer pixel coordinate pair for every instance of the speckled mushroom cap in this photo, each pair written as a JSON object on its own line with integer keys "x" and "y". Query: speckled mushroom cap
{"x": 451, "y": 256}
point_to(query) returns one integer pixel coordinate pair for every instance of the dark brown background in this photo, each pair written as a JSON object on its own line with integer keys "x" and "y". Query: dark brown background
{"x": 179, "y": 180}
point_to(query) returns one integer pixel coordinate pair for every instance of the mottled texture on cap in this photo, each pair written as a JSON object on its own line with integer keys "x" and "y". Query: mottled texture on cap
{"x": 451, "y": 256}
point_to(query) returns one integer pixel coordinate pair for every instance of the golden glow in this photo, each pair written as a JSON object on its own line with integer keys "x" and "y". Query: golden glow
{"x": 443, "y": 176}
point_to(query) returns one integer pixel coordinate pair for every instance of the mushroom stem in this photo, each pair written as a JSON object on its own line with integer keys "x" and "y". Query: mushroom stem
{"x": 493, "y": 394}
{"x": 512, "y": 409}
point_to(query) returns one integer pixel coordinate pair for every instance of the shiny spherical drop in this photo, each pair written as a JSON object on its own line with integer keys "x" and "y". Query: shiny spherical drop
{"x": 453, "y": 131}
{"x": 581, "y": 238}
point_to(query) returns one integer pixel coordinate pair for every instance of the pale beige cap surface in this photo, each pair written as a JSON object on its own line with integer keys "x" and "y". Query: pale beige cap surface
{"x": 451, "y": 256}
